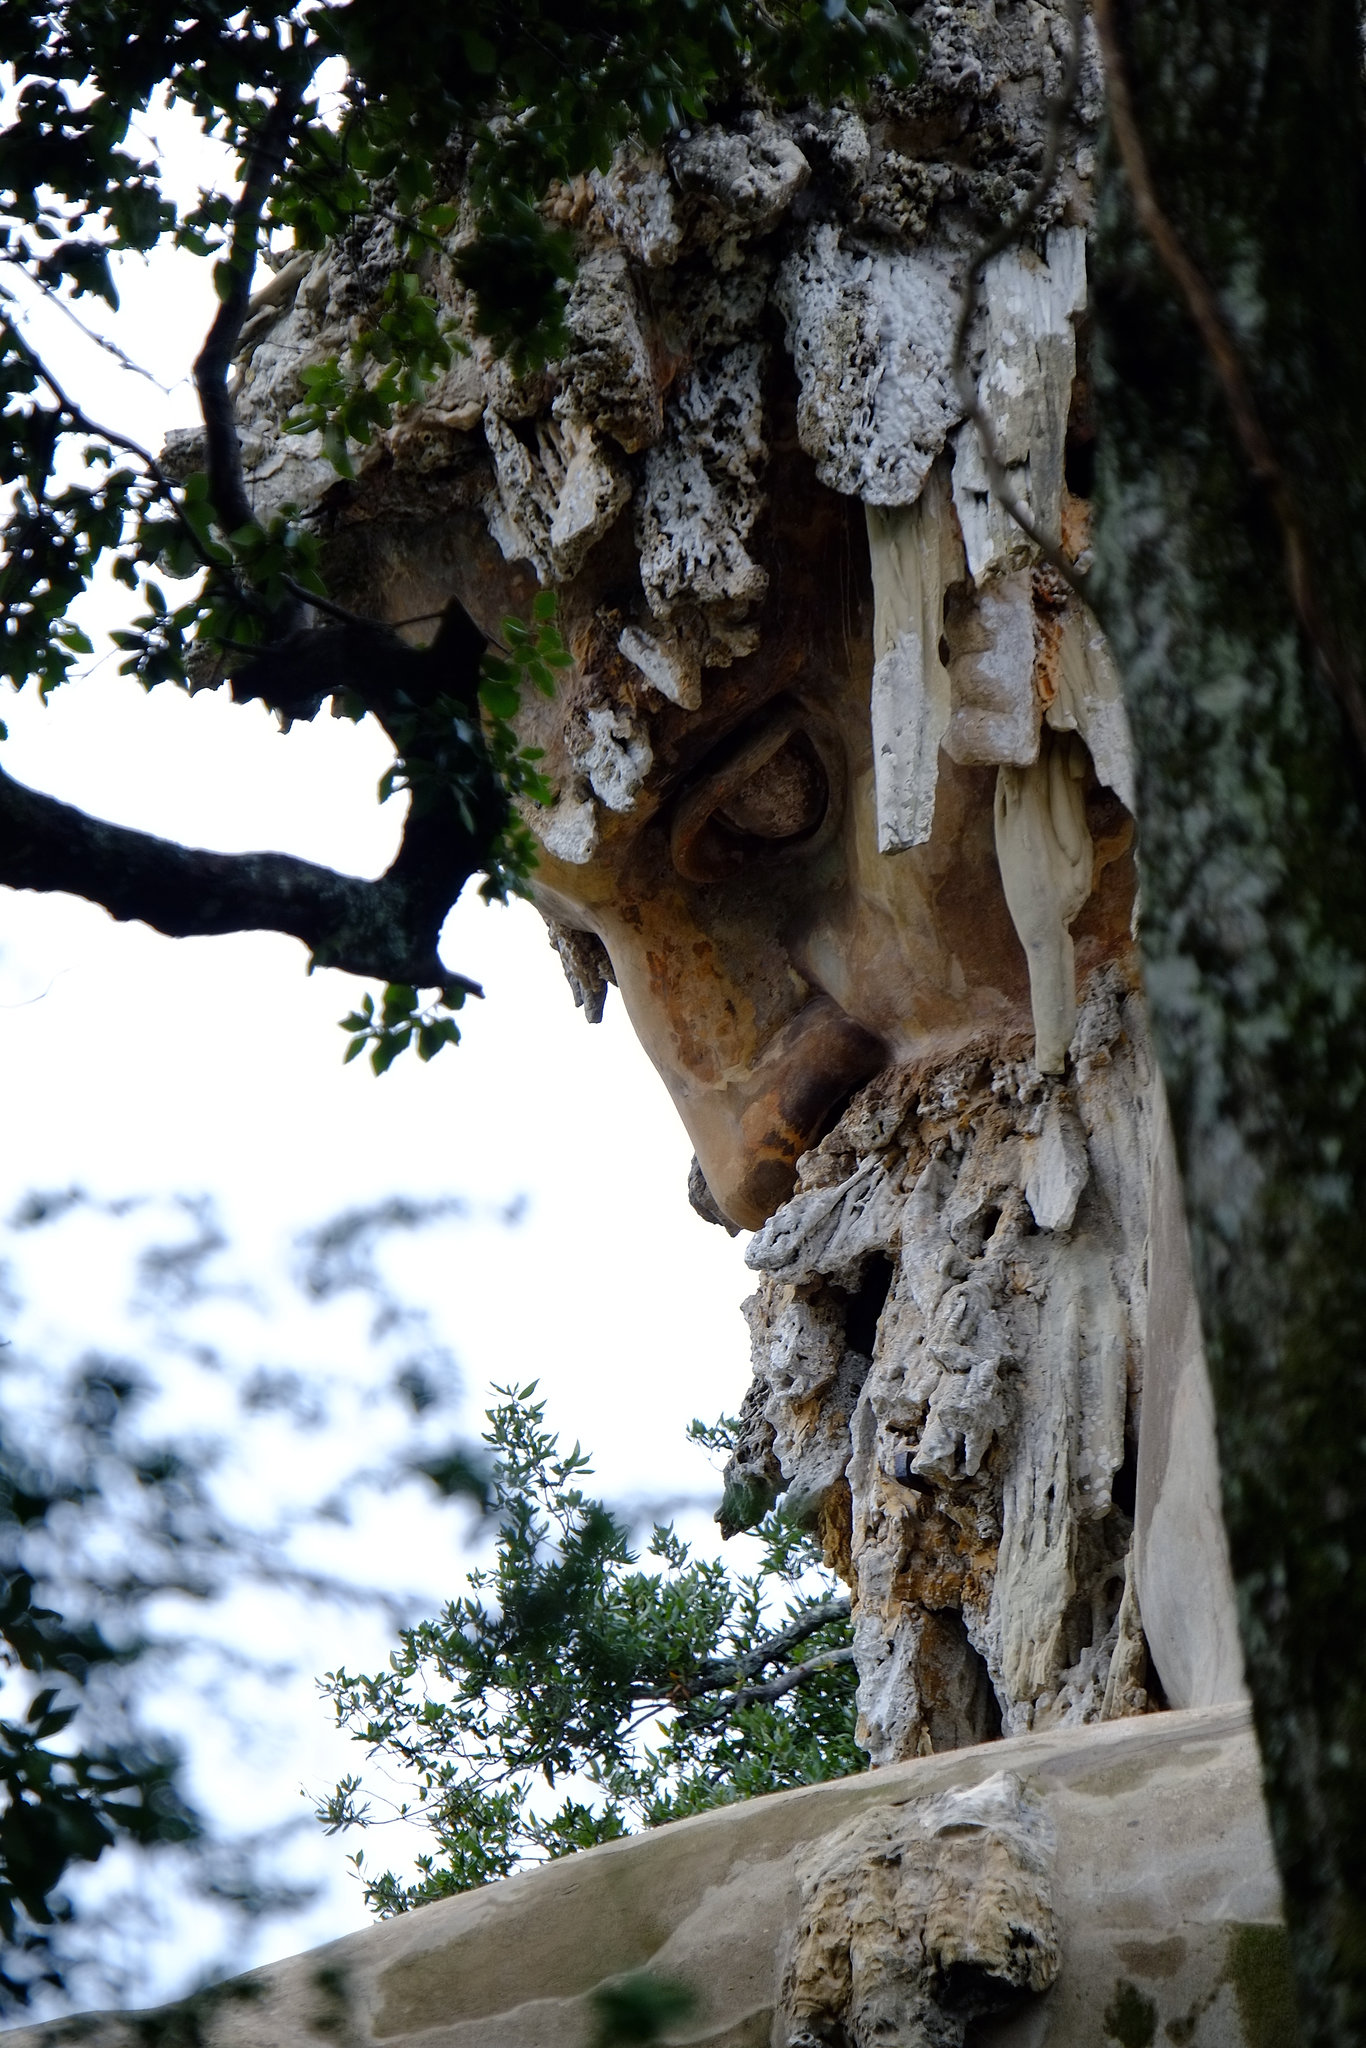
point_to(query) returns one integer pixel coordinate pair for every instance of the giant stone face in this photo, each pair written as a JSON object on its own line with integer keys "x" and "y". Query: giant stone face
{"x": 770, "y": 956}
{"x": 842, "y": 805}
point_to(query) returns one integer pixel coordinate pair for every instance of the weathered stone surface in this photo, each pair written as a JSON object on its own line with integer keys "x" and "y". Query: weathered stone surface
{"x": 843, "y": 802}
{"x": 1163, "y": 1897}
{"x": 966, "y": 1310}
{"x": 916, "y": 1919}
{"x": 1027, "y": 351}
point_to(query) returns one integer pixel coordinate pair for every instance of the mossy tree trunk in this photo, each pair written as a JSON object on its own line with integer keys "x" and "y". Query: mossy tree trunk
{"x": 1254, "y": 838}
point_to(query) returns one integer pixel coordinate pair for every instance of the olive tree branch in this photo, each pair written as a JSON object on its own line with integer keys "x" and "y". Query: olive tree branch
{"x": 719, "y": 1672}
{"x": 1339, "y": 665}
{"x": 786, "y": 1681}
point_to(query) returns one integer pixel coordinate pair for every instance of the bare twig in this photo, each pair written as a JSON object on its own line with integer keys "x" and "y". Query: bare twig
{"x": 1009, "y": 231}
{"x": 786, "y": 1681}
{"x": 81, "y": 419}
{"x": 1339, "y": 666}
{"x": 330, "y": 609}
{"x": 102, "y": 341}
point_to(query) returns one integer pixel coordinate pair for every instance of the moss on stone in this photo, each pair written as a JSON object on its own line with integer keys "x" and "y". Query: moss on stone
{"x": 1260, "y": 1973}
{"x": 1130, "y": 2018}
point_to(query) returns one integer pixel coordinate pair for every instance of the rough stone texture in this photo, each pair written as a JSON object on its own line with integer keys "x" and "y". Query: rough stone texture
{"x": 871, "y": 337}
{"x": 949, "y": 1342}
{"x": 917, "y": 1919}
{"x": 843, "y": 798}
{"x": 846, "y": 233}
{"x": 1164, "y": 1904}
{"x": 1028, "y": 354}
{"x": 977, "y": 1356}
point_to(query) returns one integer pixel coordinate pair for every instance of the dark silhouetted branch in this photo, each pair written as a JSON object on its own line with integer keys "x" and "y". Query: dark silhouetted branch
{"x": 227, "y": 483}
{"x": 386, "y": 929}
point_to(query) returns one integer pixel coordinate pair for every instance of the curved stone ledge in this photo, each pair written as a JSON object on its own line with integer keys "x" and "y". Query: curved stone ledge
{"x": 1164, "y": 1900}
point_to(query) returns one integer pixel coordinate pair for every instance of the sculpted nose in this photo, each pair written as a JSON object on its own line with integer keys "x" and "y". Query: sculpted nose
{"x": 797, "y": 1089}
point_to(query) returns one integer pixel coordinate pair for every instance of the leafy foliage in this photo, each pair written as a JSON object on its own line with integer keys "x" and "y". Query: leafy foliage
{"x": 399, "y": 1022}
{"x": 541, "y": 95}
{"x": 446, "y": 749}
{"x": 657, "y": 1692}
{"x": 452, "y": 130}
{"x": 63, "y": 1804}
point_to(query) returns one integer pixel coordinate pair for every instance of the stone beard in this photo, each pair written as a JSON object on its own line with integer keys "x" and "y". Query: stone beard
{"x": 844, "y": 809}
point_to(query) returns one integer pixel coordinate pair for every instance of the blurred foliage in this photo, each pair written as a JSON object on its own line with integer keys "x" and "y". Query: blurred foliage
{"x": 632, "y": 2012}
{"x": 127, "y": 1535}
{"x": 645, "y": 1689}
{"x": 67, "y": 1804}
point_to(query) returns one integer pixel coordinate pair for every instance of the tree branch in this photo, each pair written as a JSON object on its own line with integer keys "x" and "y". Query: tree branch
{"x": 386, "y": 929}
{"x": 786, "y": 1681}
{"x": 227, "y": 482}
{"x": 101, "y": 341}
{"x": 82, "y": 420}
{"x": 717, "y": 1672}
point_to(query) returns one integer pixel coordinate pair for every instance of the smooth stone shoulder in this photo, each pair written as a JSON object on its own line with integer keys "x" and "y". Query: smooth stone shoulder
{"x": 1144, "y": 1841}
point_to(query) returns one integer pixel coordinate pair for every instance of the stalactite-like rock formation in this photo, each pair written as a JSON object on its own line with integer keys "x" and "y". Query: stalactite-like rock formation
{"x": 946, "y": 1336}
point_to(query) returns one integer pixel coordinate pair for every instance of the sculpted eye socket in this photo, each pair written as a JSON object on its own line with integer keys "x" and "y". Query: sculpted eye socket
{"x": 769, "y": 793}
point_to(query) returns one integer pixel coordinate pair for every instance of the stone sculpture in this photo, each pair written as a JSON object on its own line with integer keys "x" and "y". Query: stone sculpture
{"x": 844, "y": 809}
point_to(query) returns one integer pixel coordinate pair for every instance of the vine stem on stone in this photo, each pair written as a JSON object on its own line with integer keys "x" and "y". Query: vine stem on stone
{"x": 1337, "y": 663}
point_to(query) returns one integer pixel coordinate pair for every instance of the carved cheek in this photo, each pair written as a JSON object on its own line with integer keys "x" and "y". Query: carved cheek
{"x": 709, "y": 1024}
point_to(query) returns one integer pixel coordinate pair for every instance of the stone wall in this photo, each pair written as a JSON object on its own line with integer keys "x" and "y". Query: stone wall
{"x": 923, "y": 1906}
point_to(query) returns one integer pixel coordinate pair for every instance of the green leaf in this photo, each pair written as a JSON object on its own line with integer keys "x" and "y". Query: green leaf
{"x": 387, "y": 1049}
{"x": 480, "y": 54}
{"x": 499, "y": 699}
{"x": 635, "y": 2011}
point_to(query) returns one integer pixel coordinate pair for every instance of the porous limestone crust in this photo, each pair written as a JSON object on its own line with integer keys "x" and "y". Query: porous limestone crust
{"x": 917, "y": 1919}
{"x": 827, "y": 246}
{"x": 947, "y": 1345}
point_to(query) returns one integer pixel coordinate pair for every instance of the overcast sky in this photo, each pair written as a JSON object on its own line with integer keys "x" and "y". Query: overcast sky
{"x": 139, "y": 1064}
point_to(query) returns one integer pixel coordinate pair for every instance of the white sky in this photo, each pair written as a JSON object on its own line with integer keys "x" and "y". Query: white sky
{"x": 139, "y": 1064}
